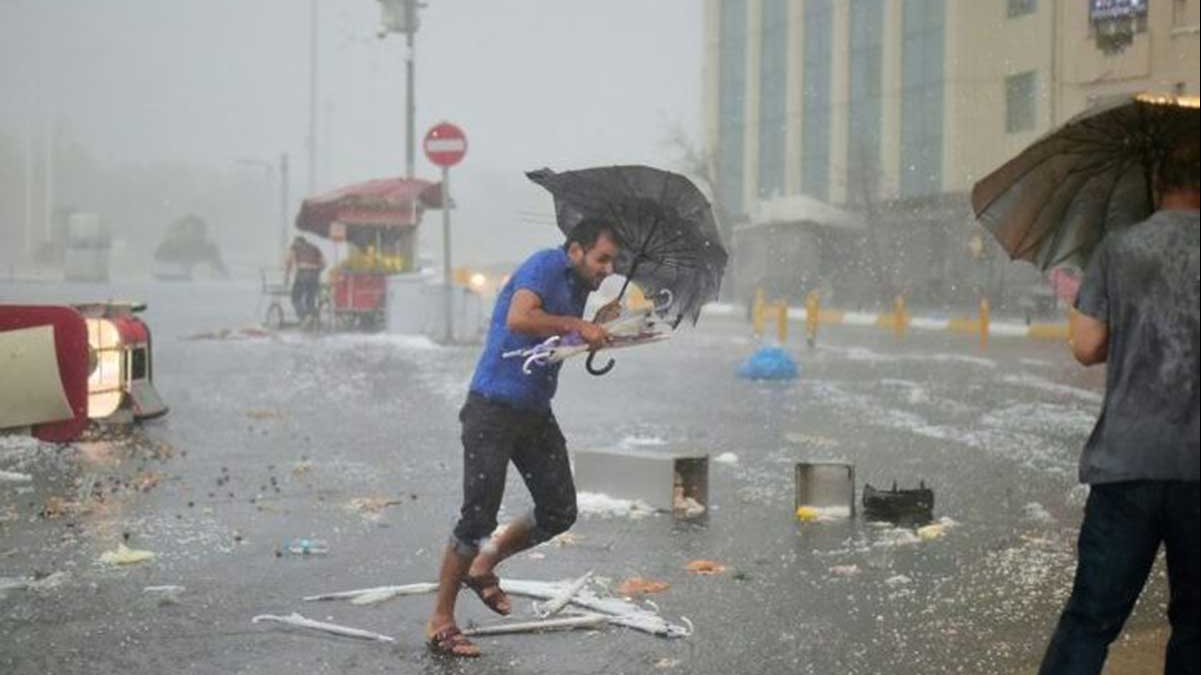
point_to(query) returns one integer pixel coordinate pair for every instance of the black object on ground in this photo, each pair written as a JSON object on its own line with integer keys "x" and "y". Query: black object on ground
{"x": 910, "y": 507}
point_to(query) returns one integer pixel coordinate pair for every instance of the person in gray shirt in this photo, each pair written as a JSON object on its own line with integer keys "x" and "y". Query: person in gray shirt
{"x": 1138, "y": 313}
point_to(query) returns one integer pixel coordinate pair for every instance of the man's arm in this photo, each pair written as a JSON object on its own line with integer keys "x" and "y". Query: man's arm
{"x": 527, "y": 316}
{"x": 1090, "y": 339}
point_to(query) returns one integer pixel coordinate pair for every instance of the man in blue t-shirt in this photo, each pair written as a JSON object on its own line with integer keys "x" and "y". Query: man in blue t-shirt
{"x": 507, "y": 418}
{"x": 1138, "y": 313}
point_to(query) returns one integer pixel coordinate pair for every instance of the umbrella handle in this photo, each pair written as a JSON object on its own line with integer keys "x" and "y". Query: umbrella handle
{"x": 597, "y": 371}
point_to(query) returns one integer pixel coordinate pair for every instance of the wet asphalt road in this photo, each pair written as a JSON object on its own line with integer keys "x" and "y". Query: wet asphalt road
{"x": 273, "y": 438}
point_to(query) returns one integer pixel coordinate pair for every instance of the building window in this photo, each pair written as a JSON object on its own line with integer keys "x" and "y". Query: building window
{"x": 773, "y": 97}
{"x": 1021, "y": 101}
{"x": 922, "y": 92}
{"x": 1021, "y": 7}
{"x": 731, "y": 102}
{"x": 815, "y": 106}
{"x": 866, "y": 103}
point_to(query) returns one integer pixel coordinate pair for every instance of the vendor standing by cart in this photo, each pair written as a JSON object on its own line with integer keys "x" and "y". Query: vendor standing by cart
{"x": 308, "y": 262}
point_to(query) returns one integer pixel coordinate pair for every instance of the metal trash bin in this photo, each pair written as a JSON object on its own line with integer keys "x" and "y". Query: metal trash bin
{"x": 659, "y": 479}
{"x": 823, "y": 484}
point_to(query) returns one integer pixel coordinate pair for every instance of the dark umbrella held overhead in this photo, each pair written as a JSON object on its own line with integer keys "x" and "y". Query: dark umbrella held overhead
{"x": 670, "y": 240}
{"x": 1054, "y": 202}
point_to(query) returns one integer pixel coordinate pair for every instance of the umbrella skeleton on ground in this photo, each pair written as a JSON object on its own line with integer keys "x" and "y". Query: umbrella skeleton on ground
{"x": 557, "y": 595}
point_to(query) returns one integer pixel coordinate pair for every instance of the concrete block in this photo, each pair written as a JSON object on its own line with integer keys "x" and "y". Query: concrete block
{"x": 660, "y": 479}
{"x": 824, "y": 484}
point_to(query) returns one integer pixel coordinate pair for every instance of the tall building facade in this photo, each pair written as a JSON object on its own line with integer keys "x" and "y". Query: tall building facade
{"x": 892, "y": 109}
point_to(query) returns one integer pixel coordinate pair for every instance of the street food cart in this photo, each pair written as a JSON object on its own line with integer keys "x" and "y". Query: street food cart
{"x": 377, "y": 222}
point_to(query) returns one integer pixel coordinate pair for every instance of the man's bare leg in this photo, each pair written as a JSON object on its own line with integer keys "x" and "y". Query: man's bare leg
{"x": 450, "y": 574}
{"x": 514, "y": 539}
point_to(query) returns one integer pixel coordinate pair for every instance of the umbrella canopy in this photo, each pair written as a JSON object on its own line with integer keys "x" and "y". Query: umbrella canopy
{"x": 1056, "y": 200}
{"x": 384, "y": 203}
{"x": 670, "y": 240}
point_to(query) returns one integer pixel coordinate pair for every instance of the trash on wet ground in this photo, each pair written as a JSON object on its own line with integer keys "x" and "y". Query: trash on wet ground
{"x": 304, "y": 547}
{"x": 123, "y": 555}
{"x": 726, "y": 458}
{"x": 705, "y": 567}
{"x": 167, "y": 594}
{"x": 634, "y": 586}
{"x": 14, "y": 477}
{"x": 769, "y": 363}
{"x": 1037, "y": 513}
{"x": 555, "y": 604}
{"x": 816, "y": 514}
{"x": 845, "y": 570}
{"x": 586, "y": 621}
{"x": 618, "y": 611}
{"x": 39, "y": 581}
{"x": 295, "y": 619}
{"x": 372, "y": 506}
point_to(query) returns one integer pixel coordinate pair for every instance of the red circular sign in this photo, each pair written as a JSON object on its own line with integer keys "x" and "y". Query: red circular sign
{"x": 445, "y": 144}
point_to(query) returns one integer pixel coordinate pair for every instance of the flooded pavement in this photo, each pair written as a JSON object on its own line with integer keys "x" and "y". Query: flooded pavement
{"x": 353, "y": 439}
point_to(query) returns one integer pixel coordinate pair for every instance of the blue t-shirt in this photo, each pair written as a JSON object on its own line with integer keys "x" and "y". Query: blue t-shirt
{"x": 547, "y": 273}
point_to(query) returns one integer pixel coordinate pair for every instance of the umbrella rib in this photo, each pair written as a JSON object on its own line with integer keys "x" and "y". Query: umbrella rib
{"x": 1061, "y": 232}
{"x": 1093, "y": 170}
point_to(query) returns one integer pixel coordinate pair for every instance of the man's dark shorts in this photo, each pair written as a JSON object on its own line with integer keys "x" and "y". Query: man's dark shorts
{"x": 494, "y": 434}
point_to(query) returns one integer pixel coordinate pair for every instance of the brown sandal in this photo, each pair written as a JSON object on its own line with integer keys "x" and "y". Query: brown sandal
{"x": 450, "y": 641}
{"x": 482, "y": 584}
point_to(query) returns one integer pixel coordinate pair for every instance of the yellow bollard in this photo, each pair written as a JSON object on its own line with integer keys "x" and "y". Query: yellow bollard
{"x": 782, "y": 321}
{"x": 984, "y": 321}
{"x": 757, "y": 313}
{"x": 900, "y": 317}
{"x": 813, "y": 308}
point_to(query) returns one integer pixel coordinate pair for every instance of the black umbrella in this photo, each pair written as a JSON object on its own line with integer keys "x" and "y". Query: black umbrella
{"x": 669, "y": 236}
{"x": 1057, "y": 199}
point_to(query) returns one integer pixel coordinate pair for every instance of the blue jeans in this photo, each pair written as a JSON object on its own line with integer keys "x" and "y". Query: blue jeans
{"x": 1124, "y": 524}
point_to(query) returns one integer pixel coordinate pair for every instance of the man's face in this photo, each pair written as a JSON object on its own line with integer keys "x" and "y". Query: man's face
{"x": 596, "y": 263}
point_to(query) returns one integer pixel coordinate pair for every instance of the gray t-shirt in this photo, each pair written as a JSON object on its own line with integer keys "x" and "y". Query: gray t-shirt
{"x": 1145, "y": 283}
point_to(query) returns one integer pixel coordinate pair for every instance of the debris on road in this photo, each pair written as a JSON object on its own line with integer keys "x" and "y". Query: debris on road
{"x": 706, "y": 567}
{"x": 619, "y": 611}
{"x": 640, "y": 586}
{"x": 552, "y": 606}
{"x": 845, "y": 570}
{"x": 295, "y": 619}
{"x": 123, "y": 555}
{"x": 562, "y": 623}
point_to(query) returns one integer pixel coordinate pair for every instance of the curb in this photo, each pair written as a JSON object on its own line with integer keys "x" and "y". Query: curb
{"x": 888, "y": 321}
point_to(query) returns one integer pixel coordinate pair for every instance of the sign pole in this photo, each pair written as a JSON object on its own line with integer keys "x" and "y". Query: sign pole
{"x": 448, "y": 295}
{"x": 445, "y": 144}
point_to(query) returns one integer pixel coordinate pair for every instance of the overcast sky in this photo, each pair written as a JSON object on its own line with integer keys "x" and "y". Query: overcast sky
{"x": 559, "y": 83}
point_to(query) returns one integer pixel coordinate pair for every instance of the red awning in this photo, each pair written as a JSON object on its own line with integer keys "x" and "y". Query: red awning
{"x": 384, "y": 202}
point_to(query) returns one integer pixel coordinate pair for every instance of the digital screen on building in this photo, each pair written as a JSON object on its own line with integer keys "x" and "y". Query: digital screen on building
{"x": 1100, "y": 10}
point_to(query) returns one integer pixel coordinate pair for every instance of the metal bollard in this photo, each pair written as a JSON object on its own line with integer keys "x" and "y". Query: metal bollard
{"x": 813, "y": 308}
{"x": 900, "y": 317}
{"x": 757, "y": 313}
{"x": 984, "y": 321}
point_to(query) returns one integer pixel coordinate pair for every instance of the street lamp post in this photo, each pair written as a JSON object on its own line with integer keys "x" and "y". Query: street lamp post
{"x": 400, "y": 16}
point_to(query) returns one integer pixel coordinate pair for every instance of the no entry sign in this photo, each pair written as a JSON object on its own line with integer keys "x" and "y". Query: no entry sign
{"x": 445, "y": 144}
